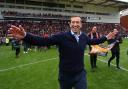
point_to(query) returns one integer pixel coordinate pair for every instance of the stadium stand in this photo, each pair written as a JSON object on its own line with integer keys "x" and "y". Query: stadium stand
{"x": 53, "y": 16}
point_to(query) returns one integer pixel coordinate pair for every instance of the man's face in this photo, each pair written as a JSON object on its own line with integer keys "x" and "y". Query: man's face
{"x": 75, "y": 24}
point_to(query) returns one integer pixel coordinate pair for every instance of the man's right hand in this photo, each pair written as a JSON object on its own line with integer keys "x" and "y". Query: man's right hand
{"x": 16, "y": 32}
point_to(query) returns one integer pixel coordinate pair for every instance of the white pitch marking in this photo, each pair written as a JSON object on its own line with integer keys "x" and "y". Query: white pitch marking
{"x": 111, "y": 63}
{"x": 20, "y": 66}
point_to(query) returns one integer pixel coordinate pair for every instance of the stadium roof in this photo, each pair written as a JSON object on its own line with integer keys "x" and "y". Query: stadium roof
{"x": 112, "y": 3}
{"x": 122, "y": 4}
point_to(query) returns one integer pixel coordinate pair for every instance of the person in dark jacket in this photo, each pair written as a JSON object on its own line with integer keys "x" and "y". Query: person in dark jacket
{"x": 115, "y": 51}
{"x": 71, "y": 46}
{"x": 93, "y": 57}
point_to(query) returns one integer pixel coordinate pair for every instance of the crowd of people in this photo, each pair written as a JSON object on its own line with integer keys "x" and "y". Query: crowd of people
{"x": 51, "y": 23}
{"x": 51, "y": 27}
{"x": 54, "y": 26}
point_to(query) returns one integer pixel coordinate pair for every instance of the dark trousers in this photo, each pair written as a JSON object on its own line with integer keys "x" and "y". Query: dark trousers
{"x": 26, "y": 47}
{"x": 114, "y": 54}
{"x": 13, "y": 48}
{"x": 7, "y": 44}
{"x": 69, "y": 81}
{"x": 17, "y": 51}
{"x": 93, "y": 60}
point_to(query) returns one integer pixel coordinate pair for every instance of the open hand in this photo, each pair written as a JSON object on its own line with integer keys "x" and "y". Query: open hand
{"x": 16, "y": 32}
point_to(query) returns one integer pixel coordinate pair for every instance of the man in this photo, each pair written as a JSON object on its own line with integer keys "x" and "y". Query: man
{"x": 93, "y": 56}
{"x": 116, "y": 48}
{"x": 71, "y": 46}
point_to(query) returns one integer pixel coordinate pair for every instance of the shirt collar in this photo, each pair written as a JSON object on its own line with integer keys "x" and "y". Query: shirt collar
{"x": 75, "y": 34}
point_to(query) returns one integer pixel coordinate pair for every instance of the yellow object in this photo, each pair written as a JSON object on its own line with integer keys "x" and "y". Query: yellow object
{"x": 7, "y": 40}
{"x": 98, "y": 49}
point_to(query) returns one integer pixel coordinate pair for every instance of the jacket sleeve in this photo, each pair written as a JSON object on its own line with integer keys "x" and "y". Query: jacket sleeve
{"x": 96, "y": 41}
{"x": 41, "y": 41}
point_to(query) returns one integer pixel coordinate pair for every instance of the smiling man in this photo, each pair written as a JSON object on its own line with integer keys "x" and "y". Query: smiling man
{"x": 71, "y": 46}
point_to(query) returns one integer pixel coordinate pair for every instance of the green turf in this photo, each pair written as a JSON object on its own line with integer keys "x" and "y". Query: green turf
{"x": 37, "y": 70}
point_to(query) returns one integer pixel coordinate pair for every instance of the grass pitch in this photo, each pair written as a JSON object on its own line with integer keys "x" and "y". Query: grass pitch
{"x": 39, "y": 70}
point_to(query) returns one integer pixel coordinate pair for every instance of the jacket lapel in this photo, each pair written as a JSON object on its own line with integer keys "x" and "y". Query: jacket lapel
{"x": 71, "y": 37}
{"x": 82, "y": 38}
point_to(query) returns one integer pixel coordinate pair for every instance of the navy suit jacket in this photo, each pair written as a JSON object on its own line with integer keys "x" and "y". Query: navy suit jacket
{"x": 71, "y": 52}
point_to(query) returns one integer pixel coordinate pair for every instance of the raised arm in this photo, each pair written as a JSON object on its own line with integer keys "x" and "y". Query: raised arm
{"x": 41, "y": 41}
{"x": 20, "y": 34}
{"x": 100, "y": 40}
